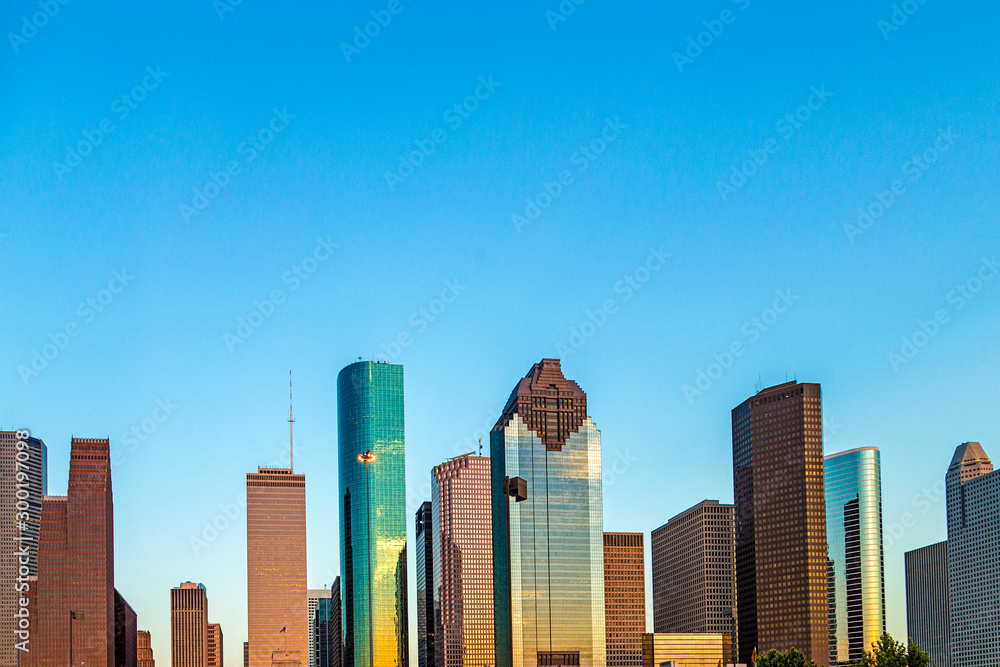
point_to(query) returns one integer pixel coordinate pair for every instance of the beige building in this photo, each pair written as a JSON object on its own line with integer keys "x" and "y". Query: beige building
{"x": 189, "y": 625}
{"x": 686, "y": 649}
{"x": 276, "y": 567}
{"x": 144, "y": 649}
{"x": 624, "y": 598}
{"x": 214, "y": 645}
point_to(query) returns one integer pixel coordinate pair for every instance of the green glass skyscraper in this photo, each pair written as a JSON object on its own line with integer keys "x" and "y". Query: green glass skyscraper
{"x": 548, "y": 547}
{"x": 855, "y": 568}
{"x": 372, "y": 514}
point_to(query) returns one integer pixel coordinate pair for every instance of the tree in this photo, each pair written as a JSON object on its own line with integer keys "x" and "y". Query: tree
{"x": 793, "y": 658}
{"x": 887, "y": 652}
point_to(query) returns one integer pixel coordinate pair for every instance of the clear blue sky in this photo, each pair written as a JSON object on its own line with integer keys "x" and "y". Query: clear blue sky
{"x": 649, "y": 180}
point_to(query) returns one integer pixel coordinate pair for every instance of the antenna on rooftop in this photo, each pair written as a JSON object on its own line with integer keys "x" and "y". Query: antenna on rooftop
{"x": 480, "y": 446}
{"x": 291, "y": 425}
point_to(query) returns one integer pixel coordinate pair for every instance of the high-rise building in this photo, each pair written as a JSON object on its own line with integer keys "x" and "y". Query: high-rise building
{"x": 276, "y": 566}
{"x": 548, "y": 549}
{"x": 189, "y": 625}
{"x": 325, "y": 628}
{"x": 927, "y": 619}
{"x": 313, "y": 597}
{"x": 336, "y": 627}
{"x": 372, "y": 468}
{"x": 974, "y": 557}
{"x": 689, "y": 649}
{"x": 126, "y": 649}
{"x": 624, "y": 598}
{"x": 20, "y": 516}
{"x": 215, "y": 657}
{"x": 854, "y": 559}
{"x": 76, "y": 571}
{"x": 463, "y": 562}
{"x": 425, "y": 586}
{"x": 694, "y": 572}
{"x": 781, "y": 573}
{"x": 144, "y": 649}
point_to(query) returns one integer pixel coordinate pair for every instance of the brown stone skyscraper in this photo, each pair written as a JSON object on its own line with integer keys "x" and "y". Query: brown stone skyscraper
{"x": 144, "y": 649}
{"x": 214, "y": 645}
{"x": 277, "y": 605}
{"x": 781, "y": 522}
{"x": 624, "y": 598}
{"x": 76, "y": 555}
{"x": 189, "y": 625}
{"x": 463, "y": 563}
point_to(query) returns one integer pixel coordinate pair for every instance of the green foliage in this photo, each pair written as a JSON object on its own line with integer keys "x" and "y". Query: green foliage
{"x": 887, "y": 652}
{"x": 793, "y": 658}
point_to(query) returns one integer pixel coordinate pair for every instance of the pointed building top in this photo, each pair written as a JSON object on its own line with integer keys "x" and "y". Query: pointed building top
{"x": 968, "y": 454}
{"x": 552, "y": 406}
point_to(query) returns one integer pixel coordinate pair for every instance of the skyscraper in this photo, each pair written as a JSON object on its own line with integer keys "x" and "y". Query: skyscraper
{"x": 548, "y": 551}
{"x": 76, "y": 552}
{"x": 425, "y": 586}
{"x": 927, "y": 619}
{"x": 624, "y": 598}
{"x": 125, "y": 633}
{"x": 20, "y": 516}
{"x": 781, "y": 574}
{"x": 855, "y": 566}
{"x": 372, "y": 468}
{"x": 326, "y": 629}
{"x": 276, "y": 566}
{"x": 313, "y": 597}
{"x": 336, "y": 628}
{"x": 144, "y": 649}
{"x": 974, "y": 557}
{"x": 189, "y": 625}
{"x": 463, "y": 562}
{"x": 694, "y": 572}
{"x": 215, "y": 657}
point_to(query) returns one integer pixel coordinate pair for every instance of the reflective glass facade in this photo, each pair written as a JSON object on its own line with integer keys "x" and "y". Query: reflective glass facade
{"x": 370, "y": 417}
{"x": 855, "y": 565}
{"x": 550, "y": 609}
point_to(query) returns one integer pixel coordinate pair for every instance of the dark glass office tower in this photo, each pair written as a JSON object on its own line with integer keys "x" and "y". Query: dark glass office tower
{"x": 781, "y": 565}
{"x": 373, "y": 514}
{"x": 856, "y": 572}
{"x": 548, "y": 573}
{"x": 928, "y": 621}
{"x": 425, "y": 587}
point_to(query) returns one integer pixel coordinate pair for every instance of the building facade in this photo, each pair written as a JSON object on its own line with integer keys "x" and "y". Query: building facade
{"x": 686, "y": 649}
{"x": 780, "y": 518}
{"x": 23, "y": 484}
{"x": 276, "y": 566}
{"x": 973, "y": 557}
{"x": 855, "y": 562}
{"x": 694, "y": 572}
{"x": 125, "y": 633}
{"x": 215, "y": 657}
{"x": 76, "y": 551}
{"x": 462, "y": 550}
{"x": 624, "y": 598}
{"x": 373, "y": 514}
{"x": 144, "y": 649}
{"x": 548, "y": 550}
{"x": 928, "y": 621}
{"x": 326, "y": 631}
{"x": 425, "y": 585}
{"x": 189, "y": 625}
{"x": 313, "y": 598}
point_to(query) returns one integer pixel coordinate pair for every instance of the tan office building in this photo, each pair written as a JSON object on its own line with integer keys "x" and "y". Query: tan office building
{"x": 687, "y": 649}
{"x": 189, "y": 625}
{"x": 624, "y": 598}
{"x": 144, "y": 649}
{"x": 214, "y": 645}
{"x": 276, "y": 567}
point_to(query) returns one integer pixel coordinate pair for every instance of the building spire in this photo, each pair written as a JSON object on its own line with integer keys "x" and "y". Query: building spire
{"x": 291, "y": 425}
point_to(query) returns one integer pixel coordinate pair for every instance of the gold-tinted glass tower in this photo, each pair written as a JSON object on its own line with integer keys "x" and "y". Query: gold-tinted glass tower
{"x": 276, "y": 566}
